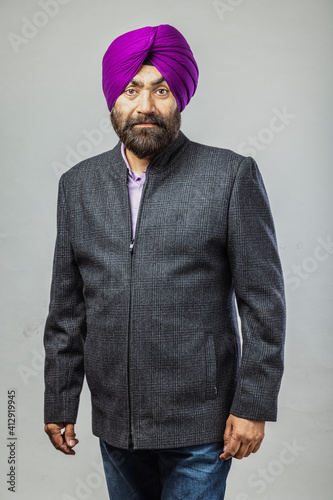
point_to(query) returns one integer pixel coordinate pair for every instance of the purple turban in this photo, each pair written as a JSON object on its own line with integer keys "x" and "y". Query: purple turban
{"x": 166, "y": 49}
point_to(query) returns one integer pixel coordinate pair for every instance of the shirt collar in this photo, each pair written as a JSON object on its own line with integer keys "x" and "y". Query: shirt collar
{"x": 130, "y": 171}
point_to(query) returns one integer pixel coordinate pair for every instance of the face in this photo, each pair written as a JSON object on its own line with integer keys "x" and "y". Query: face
{"x": 146, "y": 116}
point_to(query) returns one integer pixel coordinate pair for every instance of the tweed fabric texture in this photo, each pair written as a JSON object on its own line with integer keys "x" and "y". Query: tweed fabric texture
{"x": 155, "y": 330}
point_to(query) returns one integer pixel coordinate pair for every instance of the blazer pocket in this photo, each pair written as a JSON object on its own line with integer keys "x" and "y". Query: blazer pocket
{"x": 211, "y": 385}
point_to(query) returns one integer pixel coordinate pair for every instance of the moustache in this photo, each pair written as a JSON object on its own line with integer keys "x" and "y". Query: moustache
{"x": 158, "y": 120}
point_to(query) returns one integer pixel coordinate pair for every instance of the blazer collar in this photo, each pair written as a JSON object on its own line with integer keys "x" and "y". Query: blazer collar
{"x": 158, "y": 164}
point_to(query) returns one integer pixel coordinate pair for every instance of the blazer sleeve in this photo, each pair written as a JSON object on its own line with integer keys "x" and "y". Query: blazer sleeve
{"x": 259, "y": 290}
{"x": 65, "y": 328}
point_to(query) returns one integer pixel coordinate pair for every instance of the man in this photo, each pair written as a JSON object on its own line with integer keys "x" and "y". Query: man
{"x": 155, "y": 240}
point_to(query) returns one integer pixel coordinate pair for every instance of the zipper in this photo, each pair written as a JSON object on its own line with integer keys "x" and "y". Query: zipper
{"x": 131, "y": 249}
{"x": 130, "y": 440}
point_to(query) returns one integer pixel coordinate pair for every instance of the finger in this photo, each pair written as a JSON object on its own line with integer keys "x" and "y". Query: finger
{"x": 257, "y": 446}
{"x": 227, "y": 434}
{"x": 244, "y": 451}
{"x": 70, "y": 436}
{"x": 249, "y": 451}
{"x": 226, "y": 439}
{"x": 230, "y": 449}
{"x": 64, "y": 448}
{"x": 252, "y": 448}
{"x": 54, "y": 433}
{"x": 57, "y": 439}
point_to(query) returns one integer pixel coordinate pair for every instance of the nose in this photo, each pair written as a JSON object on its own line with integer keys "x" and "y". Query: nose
{"x": 145, "y": 103}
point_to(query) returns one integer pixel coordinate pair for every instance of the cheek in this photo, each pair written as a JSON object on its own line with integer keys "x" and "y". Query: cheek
{"x": 169, "y": 106}
{"x": 123, "y": 106}
{"x": 172, "y": 103}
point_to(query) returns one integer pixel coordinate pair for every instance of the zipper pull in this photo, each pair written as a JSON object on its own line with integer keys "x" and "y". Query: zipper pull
{"x": 131, "y": 246}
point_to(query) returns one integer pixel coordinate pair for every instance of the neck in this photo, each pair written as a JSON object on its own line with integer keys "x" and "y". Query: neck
{"x": 137, "y": 164}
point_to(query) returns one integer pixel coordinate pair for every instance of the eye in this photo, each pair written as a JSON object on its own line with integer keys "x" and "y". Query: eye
{"x": 162, "y": 91}
{"x": 130, "y": 92}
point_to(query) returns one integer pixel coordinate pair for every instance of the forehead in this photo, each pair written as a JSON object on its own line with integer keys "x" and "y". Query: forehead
{"x": 147, "y": 75}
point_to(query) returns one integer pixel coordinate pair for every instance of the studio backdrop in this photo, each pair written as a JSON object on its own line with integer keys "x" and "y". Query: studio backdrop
{"x": 265, "y": 90}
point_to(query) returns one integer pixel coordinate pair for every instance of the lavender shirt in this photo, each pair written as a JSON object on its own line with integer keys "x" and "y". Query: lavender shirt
{"x": 135, "y": 185}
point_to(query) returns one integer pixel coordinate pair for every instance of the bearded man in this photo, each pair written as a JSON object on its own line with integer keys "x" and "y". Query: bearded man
{"x": 157, "y": 240}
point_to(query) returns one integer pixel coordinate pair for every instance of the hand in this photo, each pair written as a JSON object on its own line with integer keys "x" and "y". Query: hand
{"x": 242, "y": 437}
{"x": 63, "y": 442}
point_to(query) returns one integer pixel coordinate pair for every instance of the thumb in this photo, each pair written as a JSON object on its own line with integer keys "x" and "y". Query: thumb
{"x": 227, "y": 433}
{"x": 69, "y": 435}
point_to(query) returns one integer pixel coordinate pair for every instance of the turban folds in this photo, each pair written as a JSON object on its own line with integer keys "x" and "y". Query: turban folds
{"x": 167, "y": 50}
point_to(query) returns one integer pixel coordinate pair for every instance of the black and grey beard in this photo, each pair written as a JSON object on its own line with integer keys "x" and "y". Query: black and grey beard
{"x": 150, "y": 141}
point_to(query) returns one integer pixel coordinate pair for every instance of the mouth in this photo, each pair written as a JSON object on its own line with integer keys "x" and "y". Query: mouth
{"x": 146, "y": 124}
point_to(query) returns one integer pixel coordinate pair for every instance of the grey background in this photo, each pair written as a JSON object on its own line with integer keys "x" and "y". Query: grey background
{"x": 257, "y": 58}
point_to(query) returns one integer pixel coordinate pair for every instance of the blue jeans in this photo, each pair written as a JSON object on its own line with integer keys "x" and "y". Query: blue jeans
{"x": 191, "y": 473}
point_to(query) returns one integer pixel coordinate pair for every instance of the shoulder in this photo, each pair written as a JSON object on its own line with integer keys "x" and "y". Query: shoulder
{"x": 87, "y": 168}
{"x": 216, "y": 160}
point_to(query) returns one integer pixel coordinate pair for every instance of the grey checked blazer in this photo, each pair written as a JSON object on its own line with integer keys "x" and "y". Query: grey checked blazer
{"x": 155, "y": 329}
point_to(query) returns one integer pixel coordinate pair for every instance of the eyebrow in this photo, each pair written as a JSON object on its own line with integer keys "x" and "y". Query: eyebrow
{"x": 140, "y": 84}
